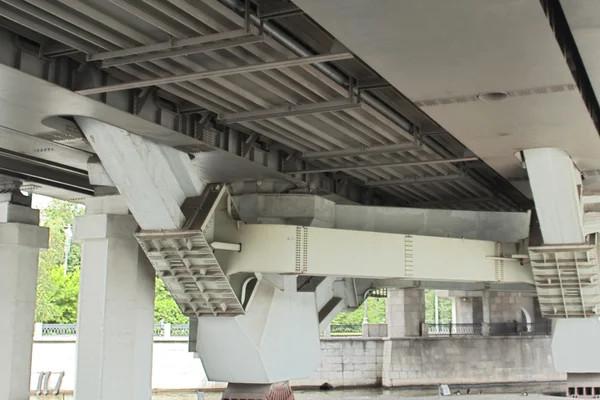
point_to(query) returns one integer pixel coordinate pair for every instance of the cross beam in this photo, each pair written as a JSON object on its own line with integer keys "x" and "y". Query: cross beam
{"x": 167, "y": 45}
{"x": 217, "y": 73}
{"x": 288, "y": 111}
{"x": 381, "y": 165}
{"x": 204, "y": 48}
{"x": 359, "y": 151}
{"x": 412, "y": 181}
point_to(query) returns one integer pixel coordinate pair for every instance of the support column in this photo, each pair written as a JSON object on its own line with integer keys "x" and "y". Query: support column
{"x": 116, "y": 306}
{"x": 20, "y": 241}
{"x": 469, "y": 310}
{"x": 405, "y": 312}
{"x": 464, "y": 310}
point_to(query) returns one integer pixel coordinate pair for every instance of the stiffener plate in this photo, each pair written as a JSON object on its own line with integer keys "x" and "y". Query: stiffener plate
{"x": 185, "y": 260}
{"x": 567, "y": 279}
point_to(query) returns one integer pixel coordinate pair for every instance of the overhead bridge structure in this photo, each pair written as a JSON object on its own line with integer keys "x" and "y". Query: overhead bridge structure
{"x": 276, "y": 161}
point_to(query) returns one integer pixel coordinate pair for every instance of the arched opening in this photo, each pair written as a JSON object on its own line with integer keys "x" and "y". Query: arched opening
{"x": 526, "y": 319}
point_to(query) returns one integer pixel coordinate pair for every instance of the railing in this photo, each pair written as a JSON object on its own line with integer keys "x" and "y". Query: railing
{"x": 160, "y": 330}
{"x": 180, "y": 330}
{"x": 346, "y": 330}
{"x": 516, "y": 328}
{"x": 543, "y": 328}
{"x": 59, "y": 329}
{"x": 495, "y": 329}
{"x": 454, "y": 329}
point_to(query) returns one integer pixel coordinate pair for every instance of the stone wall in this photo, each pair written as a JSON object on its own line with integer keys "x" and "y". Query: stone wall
{"x": 405, "y": 312}
{"x": 508, "y": 306}
{"x": 430, "y": 361}
{"x": 353, "y": 362}
{"x": 348, "y": 362}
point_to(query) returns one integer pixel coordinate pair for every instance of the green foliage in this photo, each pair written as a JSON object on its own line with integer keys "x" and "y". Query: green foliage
{"x": 375, "y": 314}
{"x": 58, "y": 285}
{"x": 376, "y": 310}
{"x": 165, "y": 307}
{"x": 444, "y": 308}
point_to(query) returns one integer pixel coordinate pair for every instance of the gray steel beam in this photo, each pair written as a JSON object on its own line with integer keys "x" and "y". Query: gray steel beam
{"x": 281, "y": 10}
{"x": 359, "y": 151}
{"x": 249, "y": 143}
{"x": 332, "y": 73}
{"x": 45, "y": 172}
{"x": 218, "y": 73}
{"x": 167, "y": 45}
{"x": 204, "y": 48}
{"x": 372, "y": 83}
{"x": 288, "y": 111}
{"x": 412, "y": 181}
{"x": 382, "y": 165}
{"x": 335, "y": 75}
{"x": 441, "y": 203}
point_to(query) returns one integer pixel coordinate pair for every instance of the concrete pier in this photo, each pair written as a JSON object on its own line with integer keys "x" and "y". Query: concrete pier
{"x": 116, "y": 306}
{"x": 20, "y": 241}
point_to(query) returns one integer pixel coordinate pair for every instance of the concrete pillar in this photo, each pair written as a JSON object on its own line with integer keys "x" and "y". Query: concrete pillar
{"x": 469, "y": 310}
{"x": 464, "y": 310}
{"x": 405, "y": 312}
{"x": 20, "y": 241}
{"x": 116, "y": 306}
{"x": 485, "y": 307}
{"x": 509, "y": 307}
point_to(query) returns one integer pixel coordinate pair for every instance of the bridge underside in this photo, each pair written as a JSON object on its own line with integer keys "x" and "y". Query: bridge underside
{"x": 277, "y": 162}
{"x": 271, "y": 123}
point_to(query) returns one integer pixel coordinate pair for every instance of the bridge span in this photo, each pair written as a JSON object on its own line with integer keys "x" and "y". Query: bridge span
{"x": 277, "y": 162}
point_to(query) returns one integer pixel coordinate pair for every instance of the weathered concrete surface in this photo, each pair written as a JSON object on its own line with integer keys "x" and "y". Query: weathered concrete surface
{"x": 495, "y": 226}
{"x": 507, "y": 306}
{"x": 354, "y": 362}
{"x": 116, "y": 307}
{"x": 20, "y": 242}
{"x": 405, "y": 312}
{"x": 430, "y": 361}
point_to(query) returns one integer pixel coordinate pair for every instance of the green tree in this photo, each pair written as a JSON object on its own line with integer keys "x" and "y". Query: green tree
{"x": 165, "y": 307}
{"x": 444, "y": 308}
{"x": 375, "y": 314}
{"x": 58, "y": 281}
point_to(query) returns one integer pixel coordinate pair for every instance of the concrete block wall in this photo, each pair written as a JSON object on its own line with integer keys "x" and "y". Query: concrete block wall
{"x": 405, "y": 312}
{"x": 469, "y": 310}
{"x": 353, "y": 362}
{"x": 464, "y": 310}
{"x": 507, "y": 306}
{"x": 348, "y": 362}
{"x": 470, "y": 360}
{"x": 375, "y": 330}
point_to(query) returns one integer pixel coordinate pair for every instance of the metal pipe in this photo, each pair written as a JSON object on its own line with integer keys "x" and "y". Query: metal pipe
{"x": 437, "y": 310}
{"x": 290, "y": 43}
{"x": 216, "y": 73}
